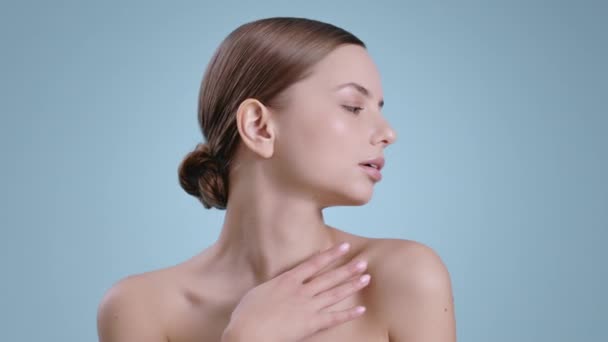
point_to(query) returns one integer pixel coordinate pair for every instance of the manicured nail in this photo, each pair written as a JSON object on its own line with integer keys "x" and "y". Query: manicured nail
{"x": 344, "y": 247}
{"x": 360, "y": 309}
{"x": 364, "y": 278}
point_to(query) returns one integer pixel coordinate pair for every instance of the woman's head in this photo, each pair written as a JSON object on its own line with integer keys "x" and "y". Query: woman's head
{"x": 271, "y": 94}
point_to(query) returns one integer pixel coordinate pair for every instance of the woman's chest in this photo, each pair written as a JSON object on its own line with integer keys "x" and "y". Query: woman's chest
{"x": 362, "y": 329}
{"x": 210, "y": 326}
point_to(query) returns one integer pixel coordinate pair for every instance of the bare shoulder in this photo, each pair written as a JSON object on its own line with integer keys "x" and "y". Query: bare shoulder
{"x": 418, "y": 263}
{"x": 183, "y": 302}
{"x": 413, "y": 290}
{"x": 134, "y": 308}
{"x": 387, "y": 255}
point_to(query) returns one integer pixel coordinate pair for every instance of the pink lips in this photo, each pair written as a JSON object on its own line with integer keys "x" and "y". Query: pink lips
{"x": 373, "y": 171}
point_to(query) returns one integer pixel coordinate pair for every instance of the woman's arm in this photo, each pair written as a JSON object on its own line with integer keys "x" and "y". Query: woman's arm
{"x": 416, "y": 294}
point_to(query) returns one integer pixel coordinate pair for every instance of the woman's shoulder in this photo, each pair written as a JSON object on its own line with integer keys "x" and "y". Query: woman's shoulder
{"x": 126, "y": 310}
{"x": 137, "y": 306}
{"x": 141, "y": 287}
{"x": 390, "y": 253}
{"x": 400, "y": 263}
{"x": 411, "y": 286}
{"x": 401, "y": 253}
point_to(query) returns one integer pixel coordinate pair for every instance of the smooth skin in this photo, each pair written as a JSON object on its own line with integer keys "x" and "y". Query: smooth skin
{"x": 291, "y": 165}
{"x": 297, "y": 295}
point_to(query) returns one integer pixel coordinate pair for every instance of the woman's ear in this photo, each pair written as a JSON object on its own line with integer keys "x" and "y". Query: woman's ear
{"x": 256, "y": 127}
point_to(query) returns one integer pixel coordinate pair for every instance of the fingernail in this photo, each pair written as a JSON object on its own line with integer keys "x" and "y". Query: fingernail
{"x": 361, "y": 265}
{"x": 360, "y": 309}
{"x": 364, "y": 278}
{"x": 344, "y": 246}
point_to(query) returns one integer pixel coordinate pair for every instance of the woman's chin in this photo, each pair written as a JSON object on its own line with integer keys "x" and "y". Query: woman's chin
{"x": 358, "y": 198}
{"x": 354, "y": 196}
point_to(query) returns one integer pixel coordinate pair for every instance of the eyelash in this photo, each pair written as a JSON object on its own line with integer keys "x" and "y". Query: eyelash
{"x": 352, "y": 109}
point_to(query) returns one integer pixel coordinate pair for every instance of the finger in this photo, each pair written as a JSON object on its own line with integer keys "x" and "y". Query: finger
{"x": 340, "y": 292}
{"x": 334, "y": 277}
{"x": 331, "y": 319}
{"x": 312, "y": 265}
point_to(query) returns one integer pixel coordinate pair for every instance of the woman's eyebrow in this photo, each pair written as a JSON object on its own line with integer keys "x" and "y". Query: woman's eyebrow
{"x": 361, "y": 89}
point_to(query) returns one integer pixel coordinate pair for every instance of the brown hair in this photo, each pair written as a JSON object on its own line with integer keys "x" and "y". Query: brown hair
{"x": 257, "y": 60}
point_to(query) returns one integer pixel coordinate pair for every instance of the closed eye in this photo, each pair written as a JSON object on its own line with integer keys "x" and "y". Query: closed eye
{"x": 352, "y": 109}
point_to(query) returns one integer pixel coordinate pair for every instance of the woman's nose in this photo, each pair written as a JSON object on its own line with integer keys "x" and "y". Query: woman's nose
{"x": 385, "y": 133}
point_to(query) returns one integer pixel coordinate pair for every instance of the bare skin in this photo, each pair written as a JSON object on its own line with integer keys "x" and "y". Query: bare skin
{"x": 290, "y": 166}
{"x": 193, "y": 301}
{"x": 365, "y": 328}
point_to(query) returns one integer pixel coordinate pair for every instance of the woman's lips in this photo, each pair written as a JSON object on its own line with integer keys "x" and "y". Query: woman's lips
{"x": 372, "y": 172}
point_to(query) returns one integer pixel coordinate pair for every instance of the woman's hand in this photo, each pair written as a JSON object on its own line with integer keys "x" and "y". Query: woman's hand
{"x": 290, "y": 306}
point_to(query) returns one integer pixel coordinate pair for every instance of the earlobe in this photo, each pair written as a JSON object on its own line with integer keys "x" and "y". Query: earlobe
{"x": 255, "y": 125}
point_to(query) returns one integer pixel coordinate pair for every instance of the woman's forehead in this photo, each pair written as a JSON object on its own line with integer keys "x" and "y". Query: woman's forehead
{"x": 346, "y": 65}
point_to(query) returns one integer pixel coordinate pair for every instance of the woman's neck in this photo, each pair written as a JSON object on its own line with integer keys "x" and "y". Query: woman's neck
{"x": 265, "y": 236}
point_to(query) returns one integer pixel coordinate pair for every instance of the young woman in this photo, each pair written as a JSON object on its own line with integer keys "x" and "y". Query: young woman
{"x": 290, "y": 109}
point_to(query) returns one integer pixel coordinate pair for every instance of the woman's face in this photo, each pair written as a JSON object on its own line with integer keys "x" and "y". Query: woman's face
{"x": 330, "y": 128}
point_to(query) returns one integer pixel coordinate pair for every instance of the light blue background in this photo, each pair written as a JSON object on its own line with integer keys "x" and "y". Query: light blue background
{"x": 500, "y": 165}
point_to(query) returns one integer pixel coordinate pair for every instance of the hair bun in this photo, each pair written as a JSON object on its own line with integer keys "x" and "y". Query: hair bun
{"x": 202, "y": 176}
